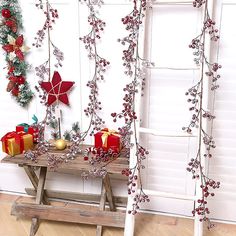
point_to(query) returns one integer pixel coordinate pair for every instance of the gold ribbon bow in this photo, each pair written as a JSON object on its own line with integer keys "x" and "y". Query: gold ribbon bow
{"x": 107, "y": 132}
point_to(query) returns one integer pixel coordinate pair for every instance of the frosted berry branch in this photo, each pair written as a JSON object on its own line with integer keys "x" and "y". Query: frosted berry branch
{"x": 208, "y": 71}
{"x": 100, "y": 66}
{"x": 134, "y": 68}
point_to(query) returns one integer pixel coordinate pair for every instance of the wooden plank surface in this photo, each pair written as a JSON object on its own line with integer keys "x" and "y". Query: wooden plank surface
{"x": 73, "y": 215}
{"x": 116, "y": 166}
{"x": 79, "y": 197}
{"x": 146, "y": 225}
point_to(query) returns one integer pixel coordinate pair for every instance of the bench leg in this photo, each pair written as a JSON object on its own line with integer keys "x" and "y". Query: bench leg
{"x": 34, "y": 180}
{"x": 101, "y": 208}
{"x": 39, "y": 198}
{"x": 34, "y": 226}
{"x": 110, "y": 198}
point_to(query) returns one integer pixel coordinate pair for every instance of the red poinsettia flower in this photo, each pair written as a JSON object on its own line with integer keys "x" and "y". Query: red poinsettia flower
{"x": 15, "y": 48}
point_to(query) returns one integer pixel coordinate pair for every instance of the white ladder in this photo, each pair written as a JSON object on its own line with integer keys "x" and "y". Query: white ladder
{"x": 130, "y": 218}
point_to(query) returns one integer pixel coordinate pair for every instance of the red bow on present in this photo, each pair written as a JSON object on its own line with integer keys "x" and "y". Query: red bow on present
{"x": 16, "y": 136}
{"x": 106, "y": 132}
{"x": 13, "y": 134}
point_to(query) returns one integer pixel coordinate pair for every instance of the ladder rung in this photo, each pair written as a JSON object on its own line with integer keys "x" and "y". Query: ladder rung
{"x": 171, "y": 68}
{"x": 173, "y": 2}
{"x": 159, "y": 134}
{"x": 169, "y": 195}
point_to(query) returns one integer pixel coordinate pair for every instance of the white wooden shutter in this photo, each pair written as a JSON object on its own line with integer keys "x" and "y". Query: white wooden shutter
{"x": 223, "y": 165}
{"x": 166, "y": 108}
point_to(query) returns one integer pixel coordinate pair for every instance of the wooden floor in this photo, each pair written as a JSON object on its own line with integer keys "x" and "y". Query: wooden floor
{"x": 146, "y": 225}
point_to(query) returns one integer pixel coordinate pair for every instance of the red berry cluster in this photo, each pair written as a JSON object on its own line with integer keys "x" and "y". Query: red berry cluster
{"x": 133, "y": 65}
{"x": 209, "y": 26}
{"x": 212, "y": 74}
{"x": 51, "y": 15}
{"x": 6, "y": 13}
{"x": 128, "y": 112}
{"x": 198, "y": 3}
{"x": 201, "y": 209}
{"x": 138, "y": 198}
{"x": 100, "y": 155}
{"x": 101, "y": 64}
{"x": 195, "y": 98}
{"x": 193, "y": 166}
{"x": 96, "y": 24}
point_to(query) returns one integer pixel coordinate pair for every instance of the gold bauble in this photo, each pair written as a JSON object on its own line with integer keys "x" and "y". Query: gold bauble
{"x": 60, "y": 144}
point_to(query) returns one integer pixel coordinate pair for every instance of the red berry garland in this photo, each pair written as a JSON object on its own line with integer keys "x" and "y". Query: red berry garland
{"x": 195, "y": 94}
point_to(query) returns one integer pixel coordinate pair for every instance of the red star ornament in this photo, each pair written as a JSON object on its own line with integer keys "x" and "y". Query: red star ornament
{"x": 57, "y": 89}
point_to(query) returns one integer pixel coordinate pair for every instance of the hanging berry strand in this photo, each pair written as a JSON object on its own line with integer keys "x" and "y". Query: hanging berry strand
{"x": 209, "y": 71}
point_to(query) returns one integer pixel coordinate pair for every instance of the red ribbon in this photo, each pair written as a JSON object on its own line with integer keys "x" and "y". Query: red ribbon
{"x": 18, "y": 139}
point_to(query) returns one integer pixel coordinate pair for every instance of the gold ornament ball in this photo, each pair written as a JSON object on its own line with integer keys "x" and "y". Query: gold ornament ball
{"x": 60, "y": 144}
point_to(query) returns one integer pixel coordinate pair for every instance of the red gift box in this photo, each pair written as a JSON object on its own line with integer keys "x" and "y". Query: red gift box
{"x": 34, "y": 131}
{"x": 108, "y": 139}
{"x": 15, "y": 143}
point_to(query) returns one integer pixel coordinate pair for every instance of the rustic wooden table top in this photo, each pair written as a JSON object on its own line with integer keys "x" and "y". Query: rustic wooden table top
{"x": 78, "y": 164}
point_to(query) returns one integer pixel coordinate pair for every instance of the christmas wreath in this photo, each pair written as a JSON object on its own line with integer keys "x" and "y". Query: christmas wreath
{"x": 13, "y": 45}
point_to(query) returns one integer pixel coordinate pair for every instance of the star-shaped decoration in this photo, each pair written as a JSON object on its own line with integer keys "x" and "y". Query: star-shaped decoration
{"x": 15, "y": 47}
{"x": 57, "y": 89}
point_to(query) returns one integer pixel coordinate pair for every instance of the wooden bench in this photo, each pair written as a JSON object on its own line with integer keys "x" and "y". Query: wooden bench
{"x": 42, "y": 209}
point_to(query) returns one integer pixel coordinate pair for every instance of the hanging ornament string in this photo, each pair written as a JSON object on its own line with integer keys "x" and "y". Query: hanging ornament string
{"x": 209, "y": 72}
{"x": 13, "y": 45}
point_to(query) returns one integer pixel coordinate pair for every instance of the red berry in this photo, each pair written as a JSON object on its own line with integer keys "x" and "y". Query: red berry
{"x": 20, "y": 80}
{"x": 15, "y": 91}
{"x": 6, "y": 13}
